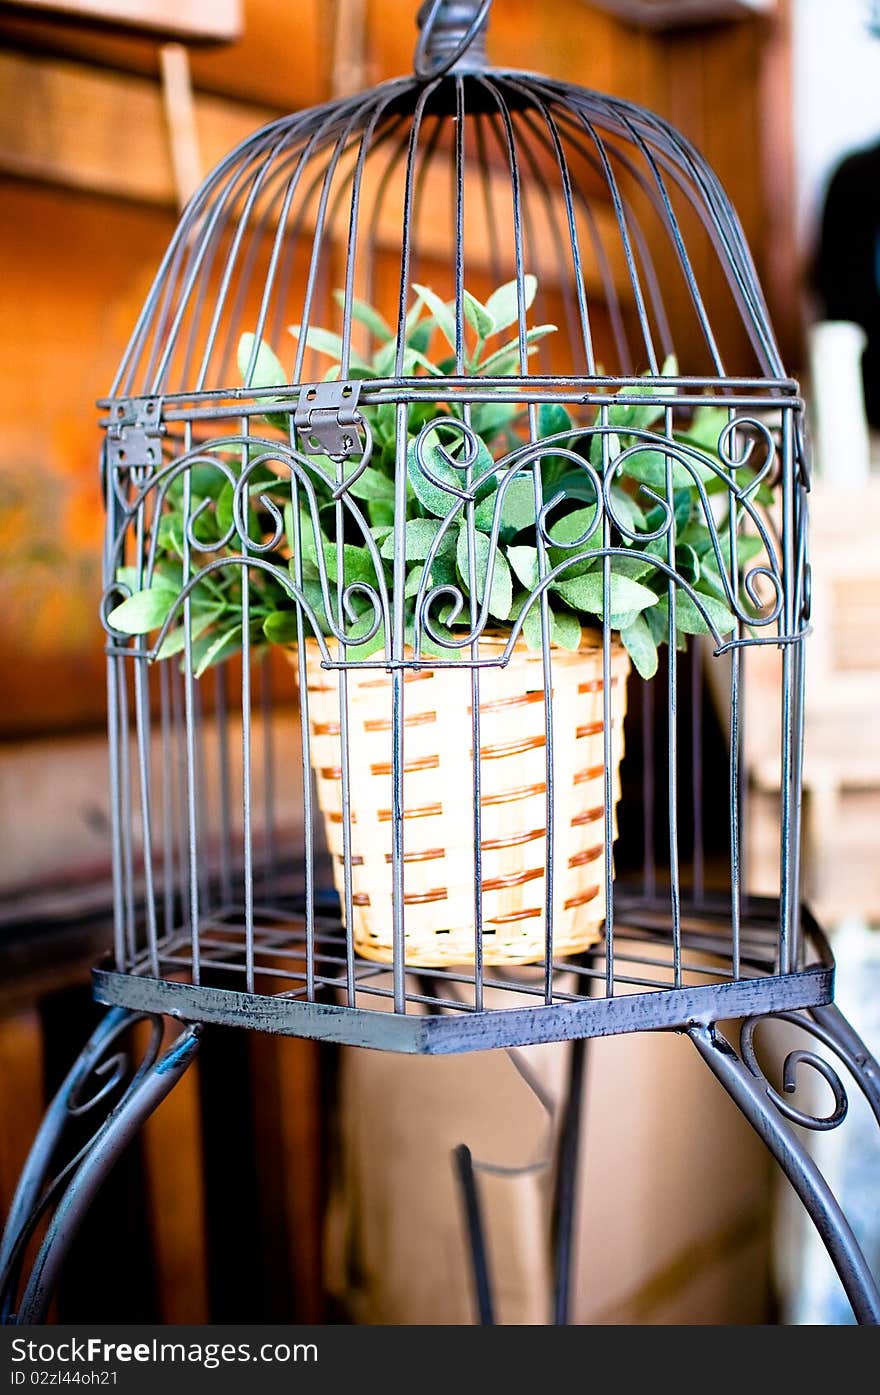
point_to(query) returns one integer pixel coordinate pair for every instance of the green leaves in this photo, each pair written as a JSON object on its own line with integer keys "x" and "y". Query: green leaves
{"x": 435, "y": 500}
{"x": 366, "y": 647}
{"x": 324, "y": 342}
{"x": 524, "y": 561}
{"x": 419, "y": 535}
{"x": 690, "y": 622}
{"x": 503, "y": 304}
{"x": 443, "y": 314}
{"x": 267, "y": 371}
{"x": 689, "y": 619}
{"x": 281, "y": 627}
{"x": 357, "y": 564}
{"x": 553, "y": 420}
{"x": 213, "y": 648}
{"x": 149, "y": 608}
{"x": 478, "y": 317}
{"x": 500, "y": 311}
{"x": 641, "y": 646}
{"x": 175, "y": 640}
{"x": 507, "y": 358}
{"x": 451, "y": 514}
{"x": 586, "y": 593}
{"x": 366, "y": 315}
{"x": 490, "y": 418}
{"x": 627, "y": 512}
{"x": 517, "y": 505}
{"x": 144, "y": 610}
{"x": 629, "y": 415}
{"x": 308, "y": 542}
{"x": 384, "y": 363}
{"x": 501, "y": 592}
{"x": 648, "y": 464}
{"x": 572, "y": 531}
{"x": 565, "y": 629}
{"x": 706, "y": 427}
{"x": 439, "y": 447}
{"x": 372, "y": 484}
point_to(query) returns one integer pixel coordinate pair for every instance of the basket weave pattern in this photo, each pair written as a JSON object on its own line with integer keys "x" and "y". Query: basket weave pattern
{"x": 439, "y": 802}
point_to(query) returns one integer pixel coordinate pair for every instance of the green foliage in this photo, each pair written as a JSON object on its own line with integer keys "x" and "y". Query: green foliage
{"x": 451, "y": 515}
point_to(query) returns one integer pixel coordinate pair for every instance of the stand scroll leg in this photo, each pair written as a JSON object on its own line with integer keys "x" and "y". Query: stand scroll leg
{"x": 771, "y": 1116}
{"x": 72, "y": 1190}
{"x": 831, "y": 1027}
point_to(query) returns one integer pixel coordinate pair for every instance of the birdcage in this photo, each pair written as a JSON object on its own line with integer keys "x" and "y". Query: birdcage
{"x": 433, "y": 493}
{"x": 423, "y": 465}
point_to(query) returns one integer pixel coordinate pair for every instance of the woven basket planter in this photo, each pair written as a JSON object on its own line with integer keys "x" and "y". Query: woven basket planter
{"x": 439, "y": 802}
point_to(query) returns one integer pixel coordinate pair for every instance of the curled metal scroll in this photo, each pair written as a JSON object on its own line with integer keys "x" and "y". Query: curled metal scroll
{"x": 104, "y": 1071}
{"x": 790, "y": 1066}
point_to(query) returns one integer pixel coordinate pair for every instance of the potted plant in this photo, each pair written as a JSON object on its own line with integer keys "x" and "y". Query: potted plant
{"x": 516, "y": 526}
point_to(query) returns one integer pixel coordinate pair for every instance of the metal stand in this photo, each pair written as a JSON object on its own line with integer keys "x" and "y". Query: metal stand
{"x": 769, "y": 1113}
{"x": 772, "y": 1117}
{"x": 104, "y": 1065}
{"x": 72, "y": 1189}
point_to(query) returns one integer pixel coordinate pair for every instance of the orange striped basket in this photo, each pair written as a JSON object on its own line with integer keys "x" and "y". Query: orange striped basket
{"x": 439, "y": 801}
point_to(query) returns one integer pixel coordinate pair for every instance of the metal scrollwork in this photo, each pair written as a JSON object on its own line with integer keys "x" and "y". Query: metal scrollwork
{"x": 454, "y": 462}
{"x": 461, "y": 463}
{"x": 100, "y": 1074}
{"x": 129, "y": 1087}
{"x": 305, "y": 475}
{"x": 793, "y": 1060}
{"x": 744, "y": 443}
{"x": 109, "y": 1072}
{"x": 772, "y": 1115}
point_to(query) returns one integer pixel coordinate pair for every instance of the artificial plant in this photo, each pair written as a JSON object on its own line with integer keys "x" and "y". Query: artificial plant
{"x": 651, "y": 497}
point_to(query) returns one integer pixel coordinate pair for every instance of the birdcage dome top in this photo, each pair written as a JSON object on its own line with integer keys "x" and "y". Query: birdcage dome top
{"x": 461, "y": 177}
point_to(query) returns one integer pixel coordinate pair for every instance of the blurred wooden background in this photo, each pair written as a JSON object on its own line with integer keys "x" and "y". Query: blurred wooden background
{"x": 89, "y": 190}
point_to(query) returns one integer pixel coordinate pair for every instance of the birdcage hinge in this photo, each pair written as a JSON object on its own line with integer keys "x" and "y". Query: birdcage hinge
{"x": 134, "y": 437}
{"x": 327, "y": 419}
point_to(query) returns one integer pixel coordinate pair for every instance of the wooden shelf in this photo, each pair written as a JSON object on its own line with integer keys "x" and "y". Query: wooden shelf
{"x": 61, "y": 122}
{"x": 190, "y": 21}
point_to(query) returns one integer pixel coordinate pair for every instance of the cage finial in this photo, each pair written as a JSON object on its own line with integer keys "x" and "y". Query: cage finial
{"x": 452, "y": 36}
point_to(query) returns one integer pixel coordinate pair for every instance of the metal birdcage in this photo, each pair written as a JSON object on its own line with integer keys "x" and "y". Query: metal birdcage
{"x": 406, "y": 823}
{"x": 459, "y": 178}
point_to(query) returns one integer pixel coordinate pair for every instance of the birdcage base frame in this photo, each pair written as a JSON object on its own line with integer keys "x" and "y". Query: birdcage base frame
{"x": 576, "y": 1001}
